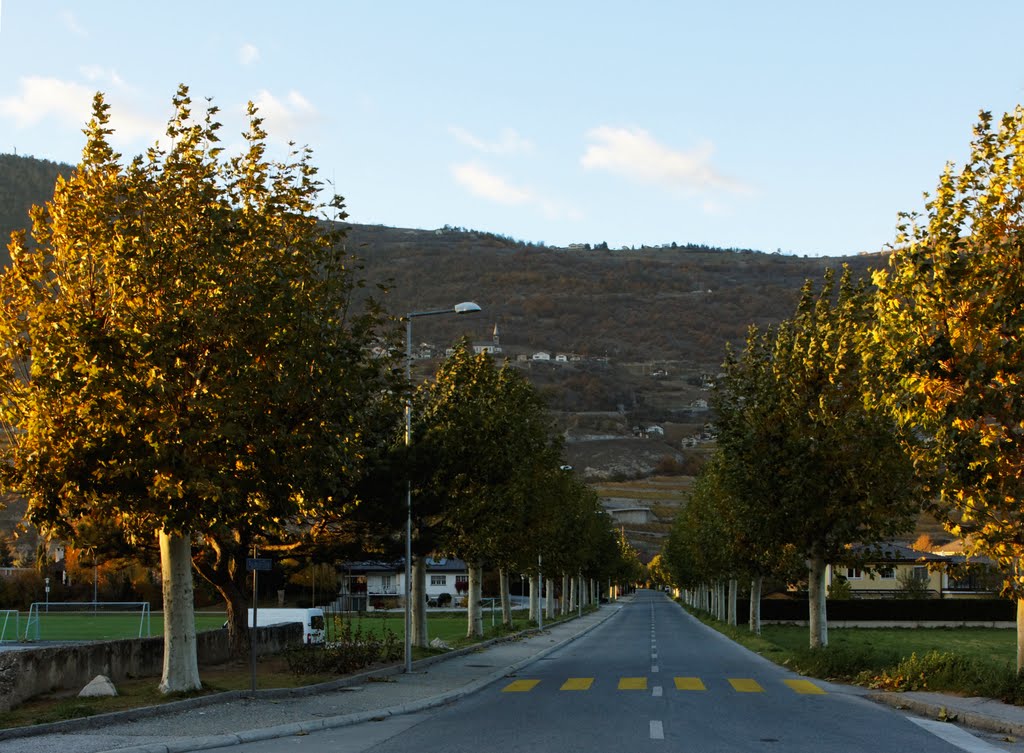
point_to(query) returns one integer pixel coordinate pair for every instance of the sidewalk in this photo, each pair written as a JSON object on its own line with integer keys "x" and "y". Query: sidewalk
{"x": 978, "y": 713}
{"x": 241, "y": 716}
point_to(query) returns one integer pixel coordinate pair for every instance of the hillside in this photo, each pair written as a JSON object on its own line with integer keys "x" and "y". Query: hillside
{"x": 679, "y": 304}
{"x": 640, "y": 330}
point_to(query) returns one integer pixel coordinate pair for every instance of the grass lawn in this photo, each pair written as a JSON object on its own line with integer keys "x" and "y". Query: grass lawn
{"x": 450, "y": 627}
{"x": 983, "y": 644}
{"x": 89, "y": 626}
{"x": 967, "y": 661}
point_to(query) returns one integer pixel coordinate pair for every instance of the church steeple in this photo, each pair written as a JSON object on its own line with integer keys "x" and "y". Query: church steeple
{"x": 497, "y": 343}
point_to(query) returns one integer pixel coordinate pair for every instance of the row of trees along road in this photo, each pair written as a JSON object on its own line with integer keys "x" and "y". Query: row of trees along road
{"x": 490, "y": 488}
{"x": 949, "y": 351}
{"x": 802, "y": 468}
{"x": 183, "y": 361}
{"x": 833, "y": 427}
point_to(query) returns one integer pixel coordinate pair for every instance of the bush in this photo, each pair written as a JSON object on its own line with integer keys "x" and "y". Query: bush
{"x": 352, "y": 649}
{"x": 842, "y": 662}
{"x": 444, "y": 600}
{"x": 945, "y": 671}
{"x": 840, "y": 589}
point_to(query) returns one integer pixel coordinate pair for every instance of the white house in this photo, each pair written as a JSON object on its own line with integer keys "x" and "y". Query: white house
{"x": 381, "y": 585}
{"x": 541, "y": 356}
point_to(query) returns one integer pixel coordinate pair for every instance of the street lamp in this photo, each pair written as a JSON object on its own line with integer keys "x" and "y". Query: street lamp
{"x": 467, "y": 307}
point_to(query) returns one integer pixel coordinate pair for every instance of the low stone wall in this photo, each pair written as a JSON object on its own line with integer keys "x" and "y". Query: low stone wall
{"x": 29, "y": 672}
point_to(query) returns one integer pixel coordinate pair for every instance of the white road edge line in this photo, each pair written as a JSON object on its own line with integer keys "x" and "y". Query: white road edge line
{"x": 955, "y": 736}
{"x": 657, "y": 731}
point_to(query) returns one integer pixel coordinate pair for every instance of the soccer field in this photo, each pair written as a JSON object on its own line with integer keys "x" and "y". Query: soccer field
{"x": 88, "y": 626}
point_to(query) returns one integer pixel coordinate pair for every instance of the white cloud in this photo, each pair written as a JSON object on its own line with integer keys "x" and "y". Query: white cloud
{"x": 41, "y": 98}
{"x": 70, "y": 103}
{"x": 485, "y": 184}
{"x": 72, "y": 25}
{"x": 480, "y": 181}
{"x": 634, "y": 153}
{"x": 248, "y": 54}
{"x": 103, "y": 75}
{"x": 509, "y": 141}
{"x": 282, "y": 118}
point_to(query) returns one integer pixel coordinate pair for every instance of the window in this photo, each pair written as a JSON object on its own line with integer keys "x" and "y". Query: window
{"x": 920, "y": 573}
{"x": 385, "y": 583}
{"x": 854, "y": 573}
{"x": 887, "y": 573}
{"x": 438, "y": 580}
{"x": 461, "y": 579}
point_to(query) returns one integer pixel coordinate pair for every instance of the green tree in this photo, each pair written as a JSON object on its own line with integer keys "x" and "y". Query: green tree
{"x": 181, "y": 358}
{"x": 832, "y": 472}
{"x": 485, "y": 447}
{"x": 950, "y": 315}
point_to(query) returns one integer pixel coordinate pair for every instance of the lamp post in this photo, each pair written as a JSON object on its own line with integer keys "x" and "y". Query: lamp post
{"x": 467, "y": 307}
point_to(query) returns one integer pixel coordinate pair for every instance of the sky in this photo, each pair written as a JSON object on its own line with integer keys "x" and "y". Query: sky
{"x": 800, "y": 127}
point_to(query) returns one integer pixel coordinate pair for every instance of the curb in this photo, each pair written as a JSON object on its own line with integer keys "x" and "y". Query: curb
{"x": 347, "y": 720}
{"x": 943, "y": 713}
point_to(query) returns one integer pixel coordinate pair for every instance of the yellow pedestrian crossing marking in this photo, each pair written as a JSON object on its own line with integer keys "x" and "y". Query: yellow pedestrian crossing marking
{"x": 745, "y": 686}
{"x": 578, "y": 683}
{"x": 632, "y": 683}
{"x": 689, "y": 683}
{"x": 804, "y": 687}
{"x": 520, "y": 686}
{"x": 740, "y": 685}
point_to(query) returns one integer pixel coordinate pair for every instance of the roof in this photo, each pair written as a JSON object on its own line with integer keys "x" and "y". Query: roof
{"x": 891, "y": 552}
{"x": 434, "y": 565}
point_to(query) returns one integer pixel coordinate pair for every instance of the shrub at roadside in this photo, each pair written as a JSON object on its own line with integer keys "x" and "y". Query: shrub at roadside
{"x": 841, "y": 662}
{"x": 944, "y": 671}
{"x": 353, "y": 649}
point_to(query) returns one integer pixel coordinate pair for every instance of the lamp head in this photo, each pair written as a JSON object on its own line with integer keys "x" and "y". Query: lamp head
{"x": 466, "y": 307}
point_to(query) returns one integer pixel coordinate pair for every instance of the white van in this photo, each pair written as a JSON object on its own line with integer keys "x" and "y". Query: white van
{"x": 312, "y": 621}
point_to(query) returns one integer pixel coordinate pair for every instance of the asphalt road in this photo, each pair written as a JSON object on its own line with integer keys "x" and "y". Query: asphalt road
{"x": 651, "y": 678}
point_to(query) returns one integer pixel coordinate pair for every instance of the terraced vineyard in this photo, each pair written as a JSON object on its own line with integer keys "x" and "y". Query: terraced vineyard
{"x": 663, "y": 496}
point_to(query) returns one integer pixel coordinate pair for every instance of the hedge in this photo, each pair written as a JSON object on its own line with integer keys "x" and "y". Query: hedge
{"x": 901, "y": 610}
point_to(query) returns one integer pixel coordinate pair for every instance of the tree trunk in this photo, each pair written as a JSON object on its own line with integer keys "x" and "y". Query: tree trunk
{"x": 420, "y": 639}
{"x": 566, "y": 606}
{"x": 733, "y": 589}
{"x": 226, "y": 573}
{"x": 534, "y": 598}
{"x": 1020, "y": 636}
{"x": 755, "y": 604}
{"x": 574, "y": 593}
{"x": 817, "y": 619}
{"x": 474, "y": 609}
{"x": 506, "y": 598}
{"x": 549, "y": 605}
{"x": 181, "y": 665}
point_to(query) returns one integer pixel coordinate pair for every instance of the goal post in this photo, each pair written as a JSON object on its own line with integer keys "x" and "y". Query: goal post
{"x": 87, "y": 620}
{"x": 10, "y": 622}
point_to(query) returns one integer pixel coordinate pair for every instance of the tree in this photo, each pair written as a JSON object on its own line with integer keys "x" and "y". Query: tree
{"x": 816, "y": 467}
{"x": 180, "y": 357}
{"x": 950, "y": 312}
{"x": 486, "y": 450}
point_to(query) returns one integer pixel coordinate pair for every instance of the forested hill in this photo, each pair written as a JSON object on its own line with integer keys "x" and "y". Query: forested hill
{"x": 24, "y": 181}
{"x": 680, "y": 304}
